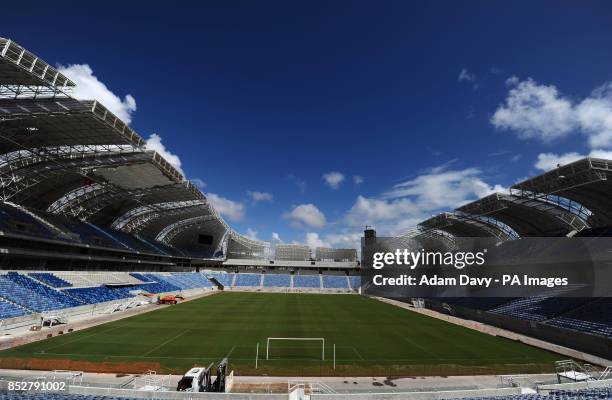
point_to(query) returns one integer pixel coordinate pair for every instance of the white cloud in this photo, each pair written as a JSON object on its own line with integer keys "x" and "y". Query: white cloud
{"x": 357, "y": 179}
{"x": 512, "y": 81}
{"x": 345, "y": 240}
{"x": 276, "y": 238}
{"x": 464, "y": 75}
{"x": 306, "y": 215}
{"x": 313, "y": 241}
{"x": 410, "y": 202}
{"x": 232, "y": 210}
{"x": 370, "y": 210}
{"x": 260, "y": 196}
{"x": 198, "y": 182}
{"x": 404, "y": 205}
{"x": 442, "y": 188}
{"x": 548, "y": 161}
{"x": 595, "y": 116}
{"x": 251, "y": 234}
{"x": 601, "y": 154}
{"x": 538, "y": 111}
{"x": 333, "y": 179}
{"x": 535, "y": 111}
{"x": 154, "y": 142}
{"x": 88, "y": 87}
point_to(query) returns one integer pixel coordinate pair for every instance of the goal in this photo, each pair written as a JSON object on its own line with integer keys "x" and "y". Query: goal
{"x": 272, "y": 339}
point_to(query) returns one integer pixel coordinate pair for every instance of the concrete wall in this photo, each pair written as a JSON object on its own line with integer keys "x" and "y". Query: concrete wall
{"x": 545, "y": 389}
{"x": 239, "y": 262}
{"x": 137, "y": 394}
{"x": 455, "y": 394}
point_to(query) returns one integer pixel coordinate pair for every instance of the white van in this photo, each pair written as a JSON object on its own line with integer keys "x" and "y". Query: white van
{"x": 192, "y": 381}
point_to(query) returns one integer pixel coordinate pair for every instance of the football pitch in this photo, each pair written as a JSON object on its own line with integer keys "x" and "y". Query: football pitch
{"x": 371, "y": 338}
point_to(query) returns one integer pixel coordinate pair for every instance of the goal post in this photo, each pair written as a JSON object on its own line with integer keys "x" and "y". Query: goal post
{"x": 322, "y": 340}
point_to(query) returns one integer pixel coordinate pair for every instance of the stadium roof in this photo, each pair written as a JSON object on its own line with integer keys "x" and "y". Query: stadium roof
{"x": 95, "y": 186}
{"x": 563, "y": 201}
{"x": 20, "y": 67}
{"x": 28, "y": 123}
{"x": 431, "y": 236}
{"x": 152, "y": 222}
{"x": 528, "y": 217}
{"x": 184, "y": 232}
{"x": 39, "y": 177}
{"x": 462, "y": 225}
{"x": 584, "y": 181}
{"x": 240, "y": 247}
{"x": 77, "y": 158}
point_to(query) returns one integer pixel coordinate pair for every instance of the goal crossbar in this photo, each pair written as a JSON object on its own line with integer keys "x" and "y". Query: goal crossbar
{"x": 322, "y": 340}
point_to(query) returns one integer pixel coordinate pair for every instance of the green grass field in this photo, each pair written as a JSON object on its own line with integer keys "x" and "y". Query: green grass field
{"x": 371, "y": 339}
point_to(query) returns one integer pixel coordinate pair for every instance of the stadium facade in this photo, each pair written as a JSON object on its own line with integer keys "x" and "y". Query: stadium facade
{"x": 80, "y": 190}
{"x": 81, "y": 194}
{"x": 572, "y": 200}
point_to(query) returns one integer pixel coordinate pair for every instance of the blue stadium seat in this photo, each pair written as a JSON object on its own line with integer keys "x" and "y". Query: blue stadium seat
{"x": 163, "y": 248}
{"x": 50, "y": 279}
{"x": 277, "y": 280}
{"x": 188, "y": 280}
{"x": 130, "y": 241}
{"x": 10, "y": 310}
{"x": 223, "y": 278}
{"x": 539, "y": 308}
{"x": 98, "y": 294}
{"x": 84, "y": 232}
{"x": 306, "y": 281}
{"x": 478, "y": 303}
{"x": 159, "y": 284}
{"x": 33, "y": 295}
{"x": 582, "y": 394}
{"x": 252, "y": 280}
{"x": 335, "y": 282}
{"x": 594, "y": 318}
{"x": 16, "y": 221}
{"x": 140, "y": 277}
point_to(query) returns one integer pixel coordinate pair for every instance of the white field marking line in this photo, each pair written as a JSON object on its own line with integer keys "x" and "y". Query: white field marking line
{"x": 231, "y": 351}
{"x": 303, "y": 347}
{"x": 44, "y": 351}
{"x": 358, "y": 353}
{"x": 415, "y": 360}
{"x": 166, "y": 342}
{"x": 143, "y": 357}
{"x": 423, "y": 349}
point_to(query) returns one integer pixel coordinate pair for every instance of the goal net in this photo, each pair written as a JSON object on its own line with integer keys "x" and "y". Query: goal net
{"x": 294, "y": 347}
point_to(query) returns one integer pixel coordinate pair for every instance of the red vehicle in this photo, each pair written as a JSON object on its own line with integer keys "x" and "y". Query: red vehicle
{"x": 168, "y": 299}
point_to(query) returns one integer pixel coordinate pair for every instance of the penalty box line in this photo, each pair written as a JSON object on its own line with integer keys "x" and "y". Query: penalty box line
{"x": 44, "y": 351}
{"x": 231, "y": 351}
{"x": 159, "y": 346}
{"x": 358, "y": 353}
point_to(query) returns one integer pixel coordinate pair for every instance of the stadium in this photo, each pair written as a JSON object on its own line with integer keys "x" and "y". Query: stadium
{"x": 120, "y": 280}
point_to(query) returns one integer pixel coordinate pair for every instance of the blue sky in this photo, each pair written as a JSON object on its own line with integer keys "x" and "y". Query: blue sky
{"x": 431, "y": 103}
